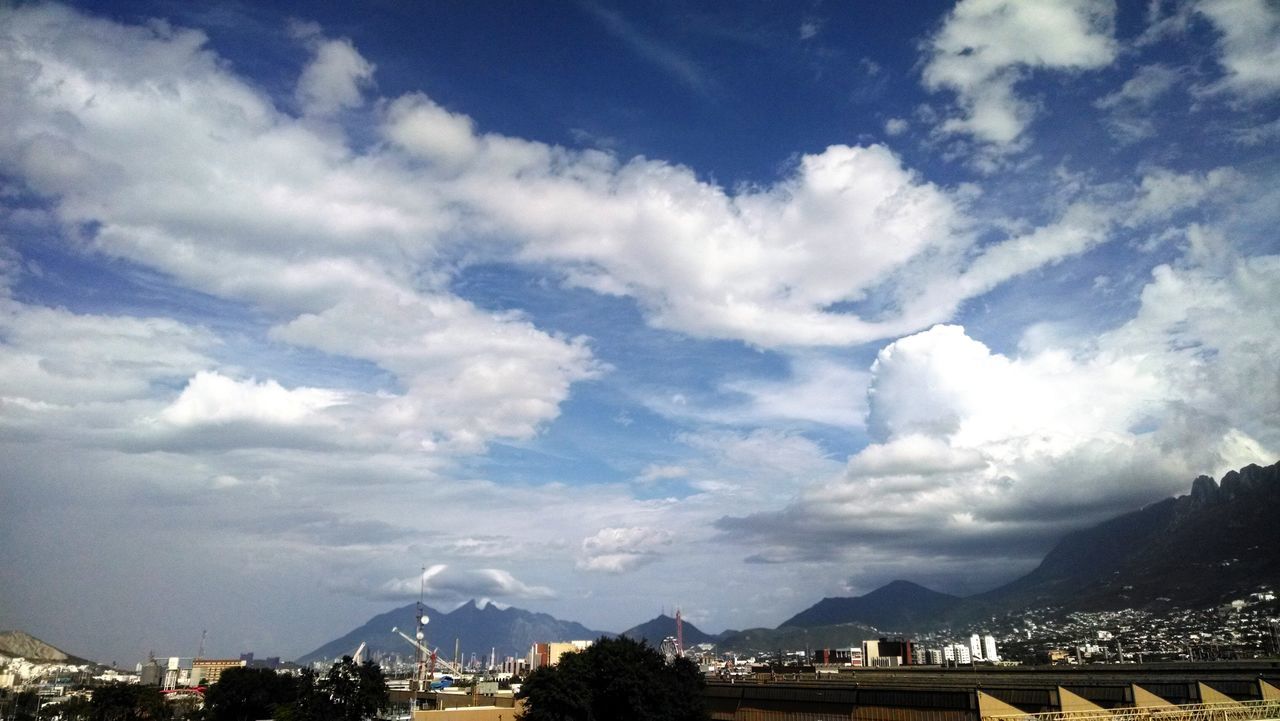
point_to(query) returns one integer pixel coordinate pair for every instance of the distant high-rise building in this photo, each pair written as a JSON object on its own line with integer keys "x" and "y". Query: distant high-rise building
{"x": 975, "y": 647}
{"x": 989, "y": 648}
{"x": 957, "y": 653}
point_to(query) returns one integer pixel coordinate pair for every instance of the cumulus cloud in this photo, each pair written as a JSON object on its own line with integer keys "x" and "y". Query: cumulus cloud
{"x": 336, "y": 76}
{"x": 212, "y": 398}
{"x": 986, "y": 46}
{"x": 620, "y": 550}
{"x": 236, "y": 199}
{"x": 982, "y": 454}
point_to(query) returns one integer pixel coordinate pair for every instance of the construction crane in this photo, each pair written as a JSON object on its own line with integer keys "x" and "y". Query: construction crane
{"x": 357, "y": 655}
{"x": 435, "y": 657}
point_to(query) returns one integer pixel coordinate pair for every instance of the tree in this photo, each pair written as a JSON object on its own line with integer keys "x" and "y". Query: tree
{"x": 73, "y": 708}
{"x": 246, "y": 694}
{"x": 358, "y": 691}
{"x": 128, "y": 702}
{"x": 615, "y": 679}
{"x": 310, "y": 702}
{"x": 348, "y": 692}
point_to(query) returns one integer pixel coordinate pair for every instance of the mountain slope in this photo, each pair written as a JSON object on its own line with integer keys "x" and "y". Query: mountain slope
{"x": 19, "y": 644}
{"x": 659, "y": 628}
{"x": 795, "y": 637}
{"x": 1214, "y": 544}
{"x": 897, "y": 606}
{"x": 479, "y": 629}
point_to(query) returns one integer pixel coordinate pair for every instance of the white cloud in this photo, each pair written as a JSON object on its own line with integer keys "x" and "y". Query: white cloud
{"x": 427, "y": 130}
{"x": 334, "y": 78}
{"x": 621, "y": 550}
{"x": 761, "y": 266}
{"x": 1148, "y": 84}
{"x": 759, "y": 467}
{"x": 655, "y": 472}
{"x": 983, "y": 454}
{"x": 896, "y": 126}
{"x": 1249, "y": 45}
{"x": 239, "y": 200}
{"x": 449, "y": 582}
{"x": 212, "y": 398}
{"x": 54, "y": 356}
{"x": 985, "y": 46}
{"x": 1130, "y": 118}
{"x": 1163, "y": 192}
{"x": 818, "y": 390}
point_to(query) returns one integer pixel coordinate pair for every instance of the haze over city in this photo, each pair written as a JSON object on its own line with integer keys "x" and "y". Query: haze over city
{"x": 600, "y": 308}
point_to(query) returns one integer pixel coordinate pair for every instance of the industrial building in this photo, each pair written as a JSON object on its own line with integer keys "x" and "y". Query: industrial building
{"x": 1128, "y": 692}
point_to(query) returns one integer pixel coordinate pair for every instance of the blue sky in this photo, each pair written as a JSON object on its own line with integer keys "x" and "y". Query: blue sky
{"x": 602, "y": 308}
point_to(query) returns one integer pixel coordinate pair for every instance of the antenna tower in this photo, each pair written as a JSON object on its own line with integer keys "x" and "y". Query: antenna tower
{"x": 421, "y": 621}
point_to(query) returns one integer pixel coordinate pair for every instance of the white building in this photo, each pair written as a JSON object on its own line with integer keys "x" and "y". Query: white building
{"x": 989, "y": 648}
{"x": 975, "y": 647}
{"x": 870, "y": 652}
{"x": 957, "y": 653}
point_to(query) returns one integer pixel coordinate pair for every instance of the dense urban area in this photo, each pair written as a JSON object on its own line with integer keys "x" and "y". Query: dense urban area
{"x": 1249, "y": 628}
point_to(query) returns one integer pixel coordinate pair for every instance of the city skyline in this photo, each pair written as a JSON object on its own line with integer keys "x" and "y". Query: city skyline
{"x": 595, "y": 308}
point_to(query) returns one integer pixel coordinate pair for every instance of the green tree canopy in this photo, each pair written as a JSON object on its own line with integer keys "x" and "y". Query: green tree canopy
{"x": 616, "y": 679}
{"x": 246, "y": 694}
{"x": 128, "y": 702}
{"x": 348, "y": 692}
{"x": 358, "y": 691}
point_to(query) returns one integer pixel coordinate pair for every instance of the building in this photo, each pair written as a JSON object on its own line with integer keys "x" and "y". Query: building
{"x": 205, "y": 671}
{"x": 957, "y": 654}
{"x": 898, "y": 648}
{"x": 548, "y": 654}
{"x": 870, "y": 652}
{"x": 989, "y": 648}
{"x": 838, "y": 656}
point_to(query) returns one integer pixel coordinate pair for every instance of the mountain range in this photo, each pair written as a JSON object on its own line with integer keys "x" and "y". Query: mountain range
{"x": 1214, "y": 544}
{"x": 482, "y": 627}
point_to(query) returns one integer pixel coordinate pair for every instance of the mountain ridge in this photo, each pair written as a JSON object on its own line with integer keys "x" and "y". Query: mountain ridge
{"x": 480, "y": 628}
{"x": 896, "y": 605}
{"x": 658, "y": 628}
{"x": 1195, "y": 549}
